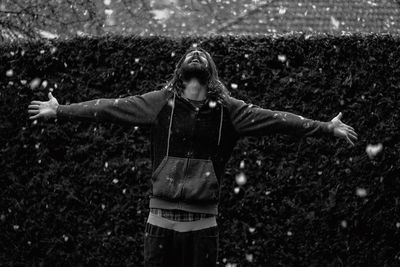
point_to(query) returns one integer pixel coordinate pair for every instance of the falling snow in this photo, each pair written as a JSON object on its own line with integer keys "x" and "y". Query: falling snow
{"x": 373, "y": 150}
{"x": 10, "y": 73}
{"x": 361, "y": 192}
{"x": 240, "y": 179}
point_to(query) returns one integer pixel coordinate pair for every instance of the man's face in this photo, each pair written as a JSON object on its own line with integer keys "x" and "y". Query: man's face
{"x": 196, "y": 57}
{"x": 195, "y": 65}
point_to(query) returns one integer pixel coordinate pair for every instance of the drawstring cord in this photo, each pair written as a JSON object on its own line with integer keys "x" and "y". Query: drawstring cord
{"x": 170, "y": 123}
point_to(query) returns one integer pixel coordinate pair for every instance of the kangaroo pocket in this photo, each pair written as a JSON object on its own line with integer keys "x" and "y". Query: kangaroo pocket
{"x": 168, "y": 178}
{"x": 186, "y": 179}
{"x": 201, "y": 183}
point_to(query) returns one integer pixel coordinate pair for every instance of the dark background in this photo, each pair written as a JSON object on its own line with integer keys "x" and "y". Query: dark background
{"x": 76, "y": 193}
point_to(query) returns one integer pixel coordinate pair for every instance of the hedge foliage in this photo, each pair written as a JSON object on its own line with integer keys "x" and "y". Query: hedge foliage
{"x": 76, "y": 193}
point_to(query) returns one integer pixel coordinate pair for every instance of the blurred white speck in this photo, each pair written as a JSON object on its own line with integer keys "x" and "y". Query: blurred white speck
{"x": 319, "y": 172}
{"x": 267, "y": 192}
{"x": 236, "y": 190}
{"x": 246, "y": 55}
{"x": 23, "y": 82}
{"x": 53, "y": 50}
{"x": 107, "y": 2}
{"x": 242, "y": 164}
{"x": 42, "y": 51}
{"x": 172, "y": 54}
{"x": 282, "y": 10}
{"x": 133, "y": 168}
{"x": 234, "y": 86}
{"x": 39, "y": 161}
{"x": 361, "y": 192}
{"x": 16, "y": 227}
{"x": 194, "y": 45}
{"x": 249, "y": 257}
{"x": 282, "y": 58}
{"x": 115, "y": 181}
{"x": 37, "y": 145}
{"x": 9, "y": 73}
{"x": 171, "y": 102}
{"x": 108, "y": 12}
{"x": 44, "y": 84}
{"x": 212, "y": 104}
{"x": 115, "y": 101}
{"x": 35, "y": 122}
{"x": 34, "y": 83}
{"x": 373, "y": 150}
{"x": 65, "y": 238}
{"x": 343, "y": 223}
{"x": 136, "y": 128}
{"x": 106, "y": 164}
{"x": 252, "y": 229}
{"x": 398, "y": 224}
{"x": 132, "y": 72}
{"x": 258, "y": 162}
{"x": 124, "y": 191}
{"x": 29, "y": 243}
{"x": 103, "y": 206}
{"x": 109, "y": 233}
{"x": 241, "y": 179}
{"x": 51, "y": 89}
{"x": 289, "y": 233}
{"x": 335, "y": 23}
{"x": 207, "y": 174}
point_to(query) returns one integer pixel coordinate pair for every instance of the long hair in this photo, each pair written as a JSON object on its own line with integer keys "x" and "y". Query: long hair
{"x": 215, "y": 88}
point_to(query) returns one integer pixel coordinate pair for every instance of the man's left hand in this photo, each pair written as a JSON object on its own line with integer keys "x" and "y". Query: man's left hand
{"x": 342, "y": 130}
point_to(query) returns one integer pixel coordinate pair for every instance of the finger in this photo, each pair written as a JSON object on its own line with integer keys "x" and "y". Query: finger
{"x": 348, "y": 140}
{"x": 34, "y": 102}
{"x": 33, "y": 111}
{"x": 354, "y": 137}
{"x": 352, "y": 132}
{"x": 34, "y": 117}
{"x": 33, "y": 106}
{"x": 50, "y": 95}
{"x": 339, "y": 116}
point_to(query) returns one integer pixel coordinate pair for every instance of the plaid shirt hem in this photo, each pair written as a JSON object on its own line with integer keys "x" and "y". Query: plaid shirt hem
{"x": 180, "y": 215}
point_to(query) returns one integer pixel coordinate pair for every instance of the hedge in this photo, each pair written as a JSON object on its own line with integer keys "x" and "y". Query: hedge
{"x": 76, "y": 193}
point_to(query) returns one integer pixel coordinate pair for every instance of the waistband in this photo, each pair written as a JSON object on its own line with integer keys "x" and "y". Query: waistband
{"x": 182, "y": 226}
{"x": 170, "y": 205}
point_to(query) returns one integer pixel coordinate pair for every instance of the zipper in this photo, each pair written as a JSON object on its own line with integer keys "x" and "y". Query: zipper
{"x": 184, "y": 177}
{"x": 191, "y": 148}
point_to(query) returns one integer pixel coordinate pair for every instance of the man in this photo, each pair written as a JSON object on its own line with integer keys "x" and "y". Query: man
{"x": 195, "y": 124}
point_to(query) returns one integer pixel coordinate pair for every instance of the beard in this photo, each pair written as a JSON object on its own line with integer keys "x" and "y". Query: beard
{"x": 198, "y": 71}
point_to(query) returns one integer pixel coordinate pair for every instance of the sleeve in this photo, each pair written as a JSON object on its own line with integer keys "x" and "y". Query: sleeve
{"x": 252, "y": 120}
{"x": 138, "y": 110}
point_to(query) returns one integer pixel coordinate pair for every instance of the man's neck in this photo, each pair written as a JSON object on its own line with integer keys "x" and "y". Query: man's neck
{"x": 194, "y": 90}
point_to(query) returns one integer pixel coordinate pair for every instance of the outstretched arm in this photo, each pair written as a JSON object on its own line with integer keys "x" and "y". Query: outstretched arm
{"x": 137, "y": 110}
{"x": 252, "y": 120}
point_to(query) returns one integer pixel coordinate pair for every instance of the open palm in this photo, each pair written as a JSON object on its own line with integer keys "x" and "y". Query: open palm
{"x": 342, "y": 130}
{"x": 43, "y": 109}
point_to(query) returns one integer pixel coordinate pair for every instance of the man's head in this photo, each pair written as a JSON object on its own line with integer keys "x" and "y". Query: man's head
{"x": 197, "y": 63}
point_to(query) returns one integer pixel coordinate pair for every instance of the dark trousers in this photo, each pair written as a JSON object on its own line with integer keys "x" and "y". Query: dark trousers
{"x": 164, "y": 247}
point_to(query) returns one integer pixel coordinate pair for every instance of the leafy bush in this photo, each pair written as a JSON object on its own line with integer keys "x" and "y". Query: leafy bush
{"x": 76, "y": 193}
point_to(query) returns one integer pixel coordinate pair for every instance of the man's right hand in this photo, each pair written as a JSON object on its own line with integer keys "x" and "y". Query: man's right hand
{"x": 43, "y": 110}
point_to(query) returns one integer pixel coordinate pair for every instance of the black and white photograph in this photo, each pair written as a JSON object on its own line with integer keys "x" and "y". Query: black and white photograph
{"x": 200, "y": 133}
